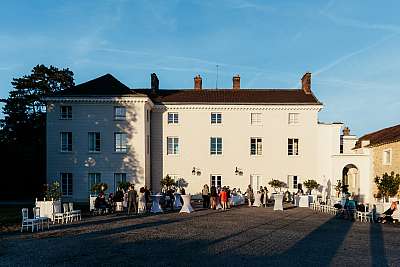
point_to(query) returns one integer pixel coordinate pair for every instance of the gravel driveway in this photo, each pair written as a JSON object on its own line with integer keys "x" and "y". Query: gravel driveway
{"x": 241, "y": 236}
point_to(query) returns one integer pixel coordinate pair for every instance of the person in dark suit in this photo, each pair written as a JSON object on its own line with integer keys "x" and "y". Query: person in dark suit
{"x": 132, "y": 195}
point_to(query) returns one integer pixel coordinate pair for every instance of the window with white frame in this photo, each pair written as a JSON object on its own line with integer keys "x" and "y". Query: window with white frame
{"x": 255, "y": 119}
{"x": 93, "y": 178}
{"x": 293, "y": 146}
{"x": 66, "y": 141}
{"x": 255, "y": 146}
{"x": 94, "y": 141}
{"x": 293, "y": 181}
{"x": 66, "y": 184}
{"x": 173, "y": 118}
{"x": 118, "y": 178}
{"x": 120, "y": 142}
{"x": 216, "y": 145}
{"x": 293, "y": 118}
{"x": 216, "y": 180}
{"x": 172, "y": 145}
{"x": 216, "y": 118}
{"x": 119, "y": 113}
{"x": 65, "y": 112}
{"x": 387, "y": 157}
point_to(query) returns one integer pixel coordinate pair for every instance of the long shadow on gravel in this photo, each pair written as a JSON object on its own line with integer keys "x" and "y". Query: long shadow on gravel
{"x": 377, "y": 245}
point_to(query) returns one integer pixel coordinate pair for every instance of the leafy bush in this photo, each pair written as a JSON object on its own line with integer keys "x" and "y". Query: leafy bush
{"x": 167, "y": 182}
{"x": 99, "y": 187}
{"x": 310, "y": 185}
{"x": 124, "y": 185}
{"x": 388, "y": 185}
{"x": 275, "y": 184}
{"x": 53, "y": 191}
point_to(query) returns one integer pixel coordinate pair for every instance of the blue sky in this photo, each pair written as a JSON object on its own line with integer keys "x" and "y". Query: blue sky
{"x": 351, "y": 47}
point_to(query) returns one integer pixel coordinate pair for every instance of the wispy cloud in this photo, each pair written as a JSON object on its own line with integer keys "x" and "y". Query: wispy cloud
{"x": 352, "y": 54}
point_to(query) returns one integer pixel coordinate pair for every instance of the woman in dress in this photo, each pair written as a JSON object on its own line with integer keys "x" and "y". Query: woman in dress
{"x": 142, "y": 201}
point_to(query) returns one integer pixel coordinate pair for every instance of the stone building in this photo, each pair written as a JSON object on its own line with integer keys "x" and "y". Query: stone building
{"x": 104, "y": 131}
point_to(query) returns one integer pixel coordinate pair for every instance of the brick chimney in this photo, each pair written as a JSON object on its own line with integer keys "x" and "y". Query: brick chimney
{"x": 198, "y": 83}
{"x": 236, "y": 82}
{"x": 306, "y": 83}
{"x": 154, "y": 83}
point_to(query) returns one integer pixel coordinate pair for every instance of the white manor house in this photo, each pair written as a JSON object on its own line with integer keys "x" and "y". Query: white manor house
{"x": 104, "y": 131}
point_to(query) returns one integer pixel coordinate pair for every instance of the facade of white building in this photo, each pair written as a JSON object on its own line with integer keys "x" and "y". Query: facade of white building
{"x": 103, "y": 131}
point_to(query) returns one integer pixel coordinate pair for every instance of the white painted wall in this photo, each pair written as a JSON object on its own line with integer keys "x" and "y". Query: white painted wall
{"x": 97, "y": 116}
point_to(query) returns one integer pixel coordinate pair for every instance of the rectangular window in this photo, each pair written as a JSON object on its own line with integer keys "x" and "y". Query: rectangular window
{"x": 94, "y": 141}
{"x": 173, "y": 118}
{"x": 94, "y": 178}
{"x": 66, "y": 141}
{"x": 255, "y": 118}
{"x": 216, "y": 180}
{"x": 147, "y": 115}
{"x": 172, "y": 145}
{"x": 387, "y": 157}
{"x": 293, "y": 146}
{"x": 66, "y": 184}
{"x": 255, "y": 146}
{"x": 120, "y": 142}
{"x": 255, "y": 182}
{"x": 216, "y": 118}
{"x": 293, "y": 118}
{"x": 119, "y": 113}
{"x": 119, "y": 177}
{"x": 65, "y": 112}
{"x": 293, "y": 181}
{"x": 216, "y": 146}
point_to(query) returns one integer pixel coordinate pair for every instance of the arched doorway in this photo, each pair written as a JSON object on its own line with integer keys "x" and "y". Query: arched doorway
{"x": 351, "y": 178}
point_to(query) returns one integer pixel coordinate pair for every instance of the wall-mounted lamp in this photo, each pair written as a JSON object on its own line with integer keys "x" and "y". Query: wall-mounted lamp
{"x": 238, "y": 171}
{"x": 196, "y": 171}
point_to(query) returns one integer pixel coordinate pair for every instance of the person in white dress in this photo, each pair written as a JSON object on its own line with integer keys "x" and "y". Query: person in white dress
{"x": 141, "y": 201}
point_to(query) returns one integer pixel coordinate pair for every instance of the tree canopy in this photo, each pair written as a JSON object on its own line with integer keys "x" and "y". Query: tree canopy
{"x": 388, "y": 185}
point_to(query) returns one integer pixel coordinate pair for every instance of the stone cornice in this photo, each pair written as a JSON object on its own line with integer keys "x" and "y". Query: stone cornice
{"x": 99, "y": 99}
{"x": 161, "y": 108}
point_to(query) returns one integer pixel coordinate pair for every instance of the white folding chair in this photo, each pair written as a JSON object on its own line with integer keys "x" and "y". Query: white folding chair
{"x": 67, "y": 214}
{"x": 42, "y": 220}
{"x": 26, "y": 222}
{"x": 58, "y": 215}
{"x": 75, "y": 213}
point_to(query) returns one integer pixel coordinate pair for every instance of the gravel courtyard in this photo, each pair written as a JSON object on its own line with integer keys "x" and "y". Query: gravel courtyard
{"x": 242, "y": 236}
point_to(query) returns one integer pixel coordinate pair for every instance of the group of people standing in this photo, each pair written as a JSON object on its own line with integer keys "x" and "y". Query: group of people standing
{"x": 259, "y": 199}
{"x": 218, "y": 197}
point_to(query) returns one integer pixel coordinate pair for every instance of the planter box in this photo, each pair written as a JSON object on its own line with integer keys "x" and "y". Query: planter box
{"x": 46, "y": 208}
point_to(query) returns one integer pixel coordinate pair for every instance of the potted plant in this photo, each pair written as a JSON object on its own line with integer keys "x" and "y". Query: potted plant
{"x": 167, "y": 182}
{"x": 338, "y": 188}
{"x": 99, "y": 187}
{"x": 124, "y": 185}
{"x": 276, "y": 184}
{"x": 388, "y": 185}
{"x": 311, "y": 185}
{"x": 53, "y": 191}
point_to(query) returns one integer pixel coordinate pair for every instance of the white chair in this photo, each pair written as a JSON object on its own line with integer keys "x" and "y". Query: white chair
{"x": 75, "y": 213}
{"x": 26, "y": 222}
{"x": 67, "y": 213}
{"x": 58, "y": 215}
{"x": 42, "y": 220}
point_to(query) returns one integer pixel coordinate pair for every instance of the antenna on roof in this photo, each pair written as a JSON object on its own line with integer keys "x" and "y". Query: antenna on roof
{"x": 216, "y": 82}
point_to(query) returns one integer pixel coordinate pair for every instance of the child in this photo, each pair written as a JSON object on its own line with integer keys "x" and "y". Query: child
{"x": 224, "y": 198}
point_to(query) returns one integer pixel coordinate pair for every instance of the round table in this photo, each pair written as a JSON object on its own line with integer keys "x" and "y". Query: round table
{"x": 186, "y": 208}
{"x": 177, "y": 201}
{"x": 155, "y": 205}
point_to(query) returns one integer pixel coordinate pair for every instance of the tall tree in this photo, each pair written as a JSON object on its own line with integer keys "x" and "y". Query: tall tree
{"x": 23, "y": 133}
{"x": 24, "y": 108}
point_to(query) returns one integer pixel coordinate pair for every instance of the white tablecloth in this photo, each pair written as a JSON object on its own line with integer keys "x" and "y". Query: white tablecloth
{"x": 155, "y": 206}
{"x": 278, "y": 205}
{"x": 304, "y": 201}
{"x": 186, "y": 208}
{"x": 177, "y": 201}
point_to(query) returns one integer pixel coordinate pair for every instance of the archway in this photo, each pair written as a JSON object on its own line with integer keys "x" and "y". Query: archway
{"x": 351, "y": 178}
